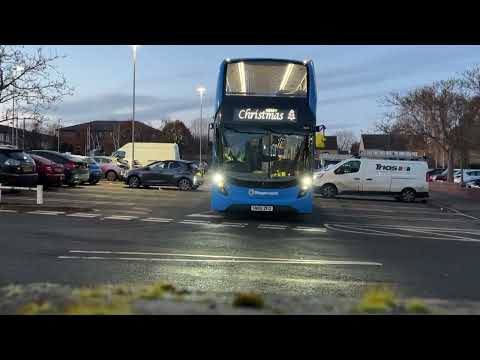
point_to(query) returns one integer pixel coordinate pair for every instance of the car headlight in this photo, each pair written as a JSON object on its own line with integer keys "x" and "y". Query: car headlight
{"x": 12, "y": 162}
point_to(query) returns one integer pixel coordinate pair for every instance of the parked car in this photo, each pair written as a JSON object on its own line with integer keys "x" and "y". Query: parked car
{"x": 75, "y": 170}
{"x": 49, "y": 173}
{"x": 432, "y": 173}
{"x": 94, "y": 170}
{"x": 444, "y": 175}
{"x": 17, "y": 168}
{"x": 203, "y": 166}
{"x": 475, "y": 184}
{"x": 468, "y": 175}
{"x": 183, "y": 174}
{"x": 404, "y": 180}
{"x": 110, "y": 169}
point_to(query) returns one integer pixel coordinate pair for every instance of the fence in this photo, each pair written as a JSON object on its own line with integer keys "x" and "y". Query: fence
{"x": 38, "y": 189}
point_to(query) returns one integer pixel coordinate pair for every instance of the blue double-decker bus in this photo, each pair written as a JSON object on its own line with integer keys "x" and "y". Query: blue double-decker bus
{"x": 263, "y": 136}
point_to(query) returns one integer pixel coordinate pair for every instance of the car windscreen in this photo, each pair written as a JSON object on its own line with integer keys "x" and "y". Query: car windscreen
{"x": 18, "y": 155}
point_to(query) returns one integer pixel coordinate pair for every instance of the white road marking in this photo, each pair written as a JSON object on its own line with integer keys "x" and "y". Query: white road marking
{"x": 83, "y": 215}
{"x": 394, "y": 217}
{"x": 120, "y": 217}
{"x": 8, "y": 211}
{"x": 215, "y": 258}
{"x": 272, "y": 227}
{"x": 194, "y": 222}
{"x": 158, "y": 220}
{"x": 367, "y": 231}
{"x": 458, "y": 212}
{"x": 45, "y": 212}
{"x": 310, "y": 229}
{"x": 206, "y": 216}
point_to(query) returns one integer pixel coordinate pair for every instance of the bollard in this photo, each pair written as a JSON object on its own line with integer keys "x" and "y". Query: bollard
{"x": 39, "y": 194}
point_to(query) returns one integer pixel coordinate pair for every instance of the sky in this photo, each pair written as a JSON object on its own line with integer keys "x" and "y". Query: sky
{"x": 350, "y": 79}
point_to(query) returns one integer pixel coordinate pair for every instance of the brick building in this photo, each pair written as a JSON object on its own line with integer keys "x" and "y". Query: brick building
{"x": 104, "y": 137}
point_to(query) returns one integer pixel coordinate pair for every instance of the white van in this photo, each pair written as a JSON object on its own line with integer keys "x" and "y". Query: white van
{"x": 405, "y": 180}
{"x": 146, "y": 153}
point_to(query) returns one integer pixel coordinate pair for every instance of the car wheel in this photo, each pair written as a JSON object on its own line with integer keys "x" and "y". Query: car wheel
{"x": 134, "y": 182}
{"x": 408, "y": 195}
{"x": 329, "y": 191}
{"x": 185, "y": 185}
{"x": 111, "y": 175}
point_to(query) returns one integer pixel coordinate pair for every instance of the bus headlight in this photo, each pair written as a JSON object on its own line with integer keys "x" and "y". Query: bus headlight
{"x": 218, "y": 179}
{"x": 306, "y": 183}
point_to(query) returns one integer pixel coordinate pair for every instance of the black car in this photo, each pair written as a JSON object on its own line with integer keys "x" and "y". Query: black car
{"x": 17, "y": 168}
{"x": 76, "y": 170}
{"x": 183, "y": 174}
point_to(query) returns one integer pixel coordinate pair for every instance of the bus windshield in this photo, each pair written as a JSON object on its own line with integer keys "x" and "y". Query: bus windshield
{"x": 260, "y": 156}
{"x": 264, "y": 78}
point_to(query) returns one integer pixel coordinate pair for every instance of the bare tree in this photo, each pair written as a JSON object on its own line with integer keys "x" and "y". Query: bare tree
{"x": 441, "y": 113}
{"x": 345, "y": 139}
{"x": 31, "y": 81}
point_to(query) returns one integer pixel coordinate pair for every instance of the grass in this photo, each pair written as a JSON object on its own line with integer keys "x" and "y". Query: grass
{"x": 156, "y": 291}
{"x": 376, "y": 300}
{"x": 36, "y": 309}
{"x": 415, "y": 306}
{"x": 250, "y": 300}
{"x": 115, "y": 307}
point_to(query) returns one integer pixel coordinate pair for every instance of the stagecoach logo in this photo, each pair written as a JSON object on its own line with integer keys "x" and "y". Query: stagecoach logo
{"x": 392, "y": 168}
{"x": 253, "y": 192}
{"x": 265, "y": 114}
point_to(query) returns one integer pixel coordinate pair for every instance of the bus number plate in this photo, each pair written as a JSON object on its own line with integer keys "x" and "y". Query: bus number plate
{"x": 261, "y": 208}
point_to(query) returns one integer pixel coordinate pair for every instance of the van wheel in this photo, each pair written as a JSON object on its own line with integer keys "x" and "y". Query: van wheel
{"x": 329, "y": 191}
{"x": 408, "y": 195}
{"x": 185, "y": 185}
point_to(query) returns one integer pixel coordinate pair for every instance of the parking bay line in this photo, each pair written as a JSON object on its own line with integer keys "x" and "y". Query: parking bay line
{"x": 158, "y": 220}
{"x": 210, "y": 258}
{"x": 45, "y": 212}
{"x": 120, "y": 217}
{"x": 8, "y": 211}
{"x": 83, "y": 215}
{"x": 272, "y": 227}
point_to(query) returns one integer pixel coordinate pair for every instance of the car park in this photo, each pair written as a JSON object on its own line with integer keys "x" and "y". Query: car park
{"x": 94, "y": 170}
{"x": 433, "y": 172}
{"x": 475, "y": 184}
{"x": 75, "y": 169}
{"x": 111, "y": 170}
{"x": 49, "y": 173}
{"x": 17, "y": 168}
{"x": 468, "y": 175}
{"x": 180, "y": 173}
{"x": 405, "y": 180}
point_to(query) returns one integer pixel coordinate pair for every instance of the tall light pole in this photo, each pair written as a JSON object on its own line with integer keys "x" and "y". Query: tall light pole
{"x": 18, "y": 69}
{"x": 134, "y": 49}
{"x": 58, "y": 136}
{"x": 201, "y": 90}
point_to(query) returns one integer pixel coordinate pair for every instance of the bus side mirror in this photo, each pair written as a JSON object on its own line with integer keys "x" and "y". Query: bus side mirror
{"x": 320, "y": 128}
{"x": 210, "y": 126}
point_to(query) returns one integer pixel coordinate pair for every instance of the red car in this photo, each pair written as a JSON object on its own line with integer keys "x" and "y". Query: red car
{"x": 49, "y": 172}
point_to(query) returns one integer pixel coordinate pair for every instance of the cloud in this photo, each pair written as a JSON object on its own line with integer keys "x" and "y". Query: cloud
{"x": 119, "y": 106}
{"x": 393, "y": 65}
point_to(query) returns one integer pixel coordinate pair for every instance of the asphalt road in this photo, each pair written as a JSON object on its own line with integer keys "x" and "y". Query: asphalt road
{"x": 109, "y": 233}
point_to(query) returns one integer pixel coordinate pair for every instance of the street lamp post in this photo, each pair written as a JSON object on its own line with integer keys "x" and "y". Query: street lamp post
{"x": 201, "y": 91}
{"x": 18, "y": 69}
{"x": 134, "y": 49}
{"x": 58, "y": 136}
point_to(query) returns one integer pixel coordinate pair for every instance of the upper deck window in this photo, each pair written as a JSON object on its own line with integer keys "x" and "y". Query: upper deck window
{"x": 266, "y": 78}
